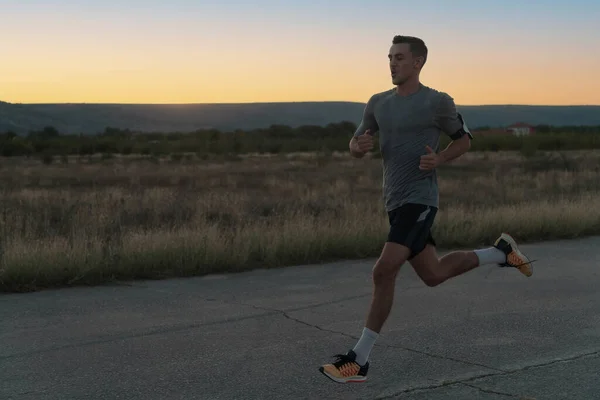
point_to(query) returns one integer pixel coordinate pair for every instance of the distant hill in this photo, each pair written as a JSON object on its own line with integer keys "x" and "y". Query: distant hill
{"x": 94, "y": 118}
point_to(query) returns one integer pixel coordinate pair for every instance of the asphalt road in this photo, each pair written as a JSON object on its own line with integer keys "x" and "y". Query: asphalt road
{"x": 490, "y": 334}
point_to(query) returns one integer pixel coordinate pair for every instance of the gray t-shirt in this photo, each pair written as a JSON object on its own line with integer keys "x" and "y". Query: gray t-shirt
{"x": 405, "y": 125}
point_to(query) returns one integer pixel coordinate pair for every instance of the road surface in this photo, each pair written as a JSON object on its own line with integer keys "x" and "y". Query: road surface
{"x": 490, "y": 334}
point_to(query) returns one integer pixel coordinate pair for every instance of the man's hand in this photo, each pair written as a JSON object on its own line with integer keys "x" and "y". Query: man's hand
{"x": 430, "y": 161}
{"x": 362, "y": 144}
{"x": 365, "y": 141}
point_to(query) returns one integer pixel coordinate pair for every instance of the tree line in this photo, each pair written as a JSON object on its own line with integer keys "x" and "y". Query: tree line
{"x": 274, "y": 139}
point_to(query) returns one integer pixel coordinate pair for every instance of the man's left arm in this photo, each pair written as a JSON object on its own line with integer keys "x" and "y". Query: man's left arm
{"x": 452, "y": 124}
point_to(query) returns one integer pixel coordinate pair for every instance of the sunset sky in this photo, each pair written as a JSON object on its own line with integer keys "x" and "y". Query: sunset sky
{"x": 134, "y": 51}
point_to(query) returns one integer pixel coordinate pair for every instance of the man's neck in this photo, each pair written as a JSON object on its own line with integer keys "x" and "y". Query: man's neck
{"x": 408, "y": 87}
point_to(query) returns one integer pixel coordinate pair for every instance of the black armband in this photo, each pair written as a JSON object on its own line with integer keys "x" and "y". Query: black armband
{"x": 464, "y": 130}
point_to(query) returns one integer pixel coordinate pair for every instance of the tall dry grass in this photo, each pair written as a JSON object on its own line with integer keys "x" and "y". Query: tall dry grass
{"x": 91, "y": 221}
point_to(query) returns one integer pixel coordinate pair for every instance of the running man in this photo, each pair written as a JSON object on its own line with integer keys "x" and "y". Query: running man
{"x": 409, "y": 120}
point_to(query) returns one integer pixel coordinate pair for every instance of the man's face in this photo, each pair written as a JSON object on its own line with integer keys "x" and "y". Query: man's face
{"x": 402, "y": 63}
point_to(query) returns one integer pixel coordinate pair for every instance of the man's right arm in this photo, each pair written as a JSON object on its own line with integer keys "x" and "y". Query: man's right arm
{"x": 368, "y": 123}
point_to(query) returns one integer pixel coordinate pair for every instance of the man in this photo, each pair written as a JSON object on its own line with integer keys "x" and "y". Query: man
{"x": 409, "y": 120}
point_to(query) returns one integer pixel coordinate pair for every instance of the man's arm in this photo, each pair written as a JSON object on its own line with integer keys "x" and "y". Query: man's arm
{"x": 368, "y": 123}
{"x": 453, "y": 125}
{"x": 455, "y": 149}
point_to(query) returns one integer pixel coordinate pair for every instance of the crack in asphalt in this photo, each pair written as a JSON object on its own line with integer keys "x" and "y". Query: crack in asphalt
{"x": 421, "y": 352}
{"x": 488, "y": 391}
{"x": 173, "y": 329}
{"x": 146, "y": 333}
{"x": 302, "y": 308}
{"x": 37, "y": 391}
{"x": 466, "y": 381}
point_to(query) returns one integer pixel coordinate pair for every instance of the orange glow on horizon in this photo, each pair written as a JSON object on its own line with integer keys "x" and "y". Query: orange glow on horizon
{"x": 487, "y": 86}
{"x": 260, "y": 80}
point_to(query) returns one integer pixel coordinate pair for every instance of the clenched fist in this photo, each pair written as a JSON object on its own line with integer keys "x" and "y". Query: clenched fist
{"x": 364, "y": 142}
{"x": 429, "y": 161}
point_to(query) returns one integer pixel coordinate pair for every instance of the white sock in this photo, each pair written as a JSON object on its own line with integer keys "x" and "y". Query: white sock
{"x": 364, "y": 345}
{"x": 491, "y": 255}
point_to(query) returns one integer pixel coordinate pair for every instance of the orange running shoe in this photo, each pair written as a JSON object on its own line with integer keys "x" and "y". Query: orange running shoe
{"x": 345, "y": 369}
{"x": 514, "y": 258}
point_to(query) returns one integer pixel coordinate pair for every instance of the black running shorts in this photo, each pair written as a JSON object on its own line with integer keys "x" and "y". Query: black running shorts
{"x": 410, "y": 226}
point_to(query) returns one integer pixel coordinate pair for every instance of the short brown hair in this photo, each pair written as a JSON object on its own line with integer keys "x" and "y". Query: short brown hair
{"x": 417, "y": 46}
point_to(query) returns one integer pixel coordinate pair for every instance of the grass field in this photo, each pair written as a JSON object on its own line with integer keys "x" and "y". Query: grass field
{"x": 88, "y": 221}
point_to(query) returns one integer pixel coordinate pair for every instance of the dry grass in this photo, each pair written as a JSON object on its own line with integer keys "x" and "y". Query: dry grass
{"x": 91, "y": 222}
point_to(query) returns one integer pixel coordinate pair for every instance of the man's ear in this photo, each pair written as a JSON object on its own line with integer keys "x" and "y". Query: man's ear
{"x": 418, "y": 63}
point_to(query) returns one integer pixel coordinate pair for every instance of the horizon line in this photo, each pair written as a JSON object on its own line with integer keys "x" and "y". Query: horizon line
{"x": 283, "y": 102}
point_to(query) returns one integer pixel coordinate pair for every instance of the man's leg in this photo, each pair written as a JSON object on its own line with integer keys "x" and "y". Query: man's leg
{"x": 353, "y": 366}
{"x": 407, "y": 225}
{"x": 385, "y": 272}
{"x": 434, "y": 271}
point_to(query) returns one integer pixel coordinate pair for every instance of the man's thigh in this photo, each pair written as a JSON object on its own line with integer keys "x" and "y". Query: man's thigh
{"x": 410, "y": 226}
{"x": 393, "y": 255}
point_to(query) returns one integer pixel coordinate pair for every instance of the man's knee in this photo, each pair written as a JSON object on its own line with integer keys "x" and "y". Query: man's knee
{"x": 433, "y": 281}
{"x": 385, "y": 271}
{"x": 387, "y": 266}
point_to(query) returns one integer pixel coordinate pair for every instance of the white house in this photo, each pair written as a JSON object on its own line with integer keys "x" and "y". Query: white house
{"x": 521, "y": 129}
